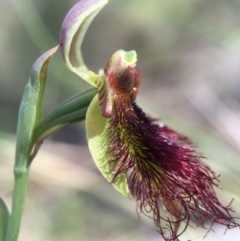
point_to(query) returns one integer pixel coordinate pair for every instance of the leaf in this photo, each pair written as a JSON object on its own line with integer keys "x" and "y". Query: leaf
{"x": 30, "y": 111}
{"x": 38, "y": 77}
{"x": 4, "y": 216}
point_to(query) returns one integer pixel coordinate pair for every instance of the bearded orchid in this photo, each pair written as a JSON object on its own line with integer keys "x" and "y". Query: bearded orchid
{"x": 143, "y": 160}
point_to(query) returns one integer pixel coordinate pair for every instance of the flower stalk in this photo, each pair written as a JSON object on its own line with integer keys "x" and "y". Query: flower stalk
{"x": 29, "y": 116}
{"x": 19, "y": 193}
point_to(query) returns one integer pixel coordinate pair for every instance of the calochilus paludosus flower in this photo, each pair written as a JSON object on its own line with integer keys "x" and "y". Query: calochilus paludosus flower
{"x": 143, "y": 160}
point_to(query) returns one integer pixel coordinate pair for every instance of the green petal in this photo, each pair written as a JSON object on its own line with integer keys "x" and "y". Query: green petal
{"x": 98, "y": 143}
{"x": 73, "y": 31}
{"x": 71, "y": 110}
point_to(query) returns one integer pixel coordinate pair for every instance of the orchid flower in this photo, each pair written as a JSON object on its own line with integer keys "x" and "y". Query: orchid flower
{"x": 143, "y": 160}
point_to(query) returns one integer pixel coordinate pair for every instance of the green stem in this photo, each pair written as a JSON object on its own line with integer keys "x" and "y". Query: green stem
{"x": 20, "y": 186}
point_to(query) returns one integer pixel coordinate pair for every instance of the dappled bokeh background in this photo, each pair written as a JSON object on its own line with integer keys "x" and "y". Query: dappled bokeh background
{"x": 189, "y": 60}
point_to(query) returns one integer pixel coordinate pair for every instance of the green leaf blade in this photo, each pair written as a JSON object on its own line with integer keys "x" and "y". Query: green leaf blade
{"x": 4, "y": 217}
{"x": 38, "y": 78}
{"x": 31, "y": 108}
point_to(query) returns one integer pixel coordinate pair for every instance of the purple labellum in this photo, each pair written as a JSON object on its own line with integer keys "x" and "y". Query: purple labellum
{"x": 166, "y": 177}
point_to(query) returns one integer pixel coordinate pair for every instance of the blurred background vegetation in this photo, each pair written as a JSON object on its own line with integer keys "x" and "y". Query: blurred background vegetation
{"x": 189, "y": 60}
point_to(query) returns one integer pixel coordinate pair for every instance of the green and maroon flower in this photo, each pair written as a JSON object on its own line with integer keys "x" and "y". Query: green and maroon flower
{"x": 142, "y": 159}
